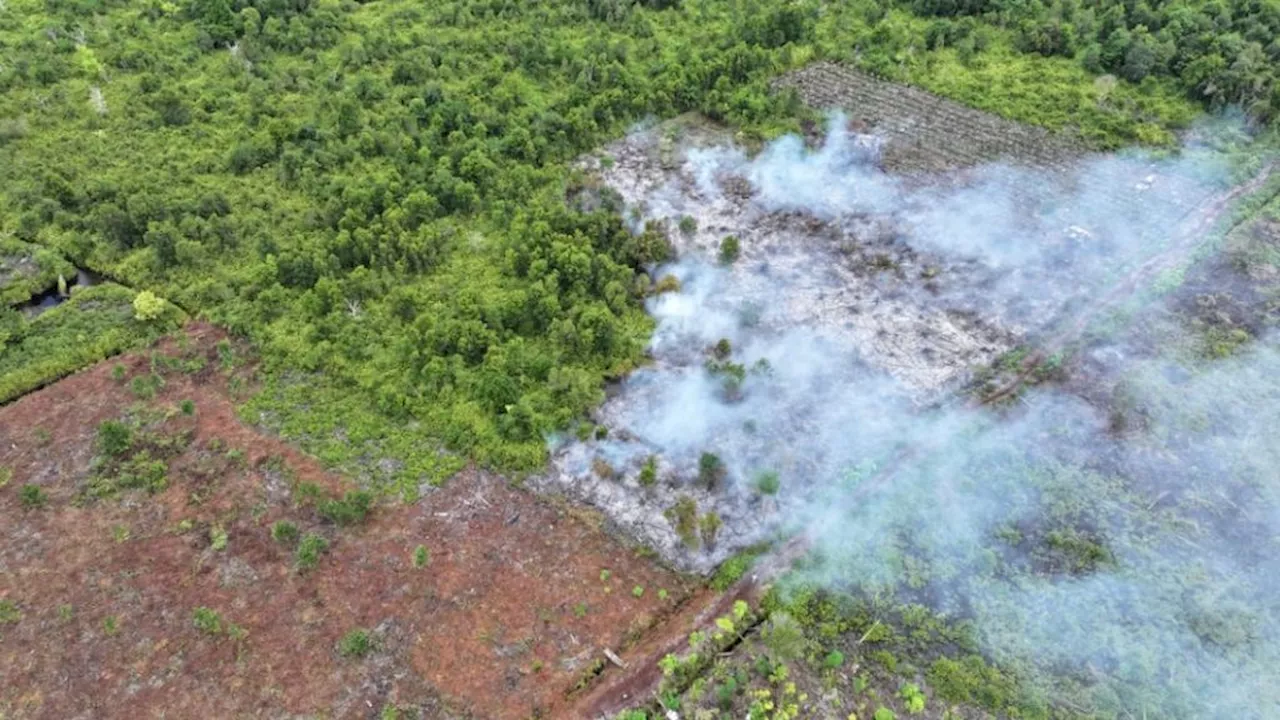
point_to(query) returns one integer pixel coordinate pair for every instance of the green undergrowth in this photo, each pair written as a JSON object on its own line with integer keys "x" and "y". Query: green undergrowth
{"x": 95, "y": 323}
{"x": 373, "y": 194}
{"x": 26, "y": 270}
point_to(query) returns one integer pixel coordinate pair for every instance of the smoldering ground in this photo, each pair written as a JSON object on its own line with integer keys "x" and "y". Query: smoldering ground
{"x": 1134, "y": 567}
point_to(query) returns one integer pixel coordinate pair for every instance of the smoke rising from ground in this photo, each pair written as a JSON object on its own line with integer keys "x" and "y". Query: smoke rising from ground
{"x": 1123, "y": 538}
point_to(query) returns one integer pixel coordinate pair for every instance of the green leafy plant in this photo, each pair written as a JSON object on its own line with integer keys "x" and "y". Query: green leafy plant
{"x": 421, "y": 557}
{"x": 9, "y": 612}
{"x": 147, "y": 306}
{"x": 730, "y": 250}
{"x": 355, "y": 644}
{"x": 284, "y": 532}
{"x": 207, "y": 621}
{"x": 114, "y": 438}
{"x": 218, "y": 538}
{"x": 33, "y": 497}
{"x": 768, "y": 482}
{"x": 309, "y": 551}
{"x": 912, "y": 697}
{"x": 649, "y": 472}
{"x": 711, "y": 470}
{"x": 351, "y": 509}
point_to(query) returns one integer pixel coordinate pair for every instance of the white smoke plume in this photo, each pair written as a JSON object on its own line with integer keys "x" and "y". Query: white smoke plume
{"x": 1121, "y": 539}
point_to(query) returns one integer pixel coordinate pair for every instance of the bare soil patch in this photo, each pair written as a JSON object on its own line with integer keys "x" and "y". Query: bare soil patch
{"x": 513, "y": 607}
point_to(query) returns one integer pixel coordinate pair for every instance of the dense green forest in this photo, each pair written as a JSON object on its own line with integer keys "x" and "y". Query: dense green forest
{"x": 374, "y": 193}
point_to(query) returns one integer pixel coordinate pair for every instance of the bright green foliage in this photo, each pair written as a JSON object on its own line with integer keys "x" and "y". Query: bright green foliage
{"x": 147, "y": 307}
{"x": 912, "y": 698}
{"x": 421, "y": 557}
{"x": 884, "y": 713}
{"x": 218, "y": 538}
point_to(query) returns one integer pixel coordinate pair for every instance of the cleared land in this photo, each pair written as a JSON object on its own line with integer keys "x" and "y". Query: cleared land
{"x": 139, "y": 589}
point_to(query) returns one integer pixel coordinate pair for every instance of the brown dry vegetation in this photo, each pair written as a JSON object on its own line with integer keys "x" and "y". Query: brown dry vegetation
{"x": 511, "y": 611}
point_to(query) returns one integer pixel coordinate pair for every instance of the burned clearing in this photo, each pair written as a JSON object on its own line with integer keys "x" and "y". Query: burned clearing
{"x": 808, "y": 273}
{"x": 160, "y": 557}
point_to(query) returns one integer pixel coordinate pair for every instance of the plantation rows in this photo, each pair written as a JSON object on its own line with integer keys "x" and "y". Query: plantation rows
{"x": 925, "y": 133}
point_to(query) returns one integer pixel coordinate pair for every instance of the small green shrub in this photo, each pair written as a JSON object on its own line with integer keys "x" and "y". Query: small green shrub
{"x": 884, "y": 713}
{"x": 118, "y": 372}
{"x": 722, "y": 349}
{"x": 638, "y": 591}
{"x": 188, "y": 407}
{"x": 310, "y": 550}
{"x": 688, "y": 225}
{"x": 144, "y": 387}
{"x": 666, "y": 284}
{"x": 684, "y": 516}
{"x": 9, "y": 612}
{"x": 218, "y": 538}
{"x": 207, "y": 621}
{"x": 353, "y": 508}
{"x": 421, "y": 557}
{"x": 730, "y": 250}
{"x": 783, "y": 636}
{"x": 147, "y": 307}
{"x": 355, "y": 644}
{"x": 284, "y": 532}
{"x": 649, "y": 472}
{"x": 833, "y": 660}
{"x": 308, "y": 492}
{"x": 33, "y": 497}
{"x": 912, "y": 697}
{"x": 711, "y": 470}
{"x": 709, "y": 528}
{"x": 768, "y": 482}
{"x": 114, "y": 438}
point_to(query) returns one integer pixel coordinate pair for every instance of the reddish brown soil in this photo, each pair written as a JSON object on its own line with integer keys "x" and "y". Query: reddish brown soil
{"x": 508, "y": 615}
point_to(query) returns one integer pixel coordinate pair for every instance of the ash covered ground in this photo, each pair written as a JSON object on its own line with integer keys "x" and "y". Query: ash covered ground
{"x": 858, "y": 297}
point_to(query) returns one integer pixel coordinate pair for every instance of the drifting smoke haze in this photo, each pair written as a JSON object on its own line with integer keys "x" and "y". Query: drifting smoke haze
{"x": 1122, "y": 540}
